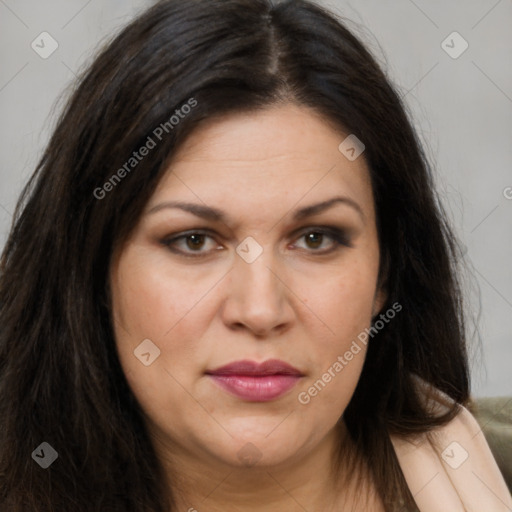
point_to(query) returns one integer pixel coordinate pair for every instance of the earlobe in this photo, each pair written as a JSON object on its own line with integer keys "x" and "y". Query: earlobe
{"x": 381, "y": 296}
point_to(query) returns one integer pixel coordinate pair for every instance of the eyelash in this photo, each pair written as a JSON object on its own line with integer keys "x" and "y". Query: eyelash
{"x": 338, "y": 236}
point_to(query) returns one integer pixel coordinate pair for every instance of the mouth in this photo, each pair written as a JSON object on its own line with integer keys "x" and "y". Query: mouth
{"x": 256, "y": 382}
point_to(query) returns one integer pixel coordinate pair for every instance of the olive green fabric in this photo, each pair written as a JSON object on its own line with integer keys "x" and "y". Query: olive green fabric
{"x": 494, "y": 415}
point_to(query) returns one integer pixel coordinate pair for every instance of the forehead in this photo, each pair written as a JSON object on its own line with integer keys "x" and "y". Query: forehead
{"x": 270, "y": 157}
{"x": 279, "y": 131}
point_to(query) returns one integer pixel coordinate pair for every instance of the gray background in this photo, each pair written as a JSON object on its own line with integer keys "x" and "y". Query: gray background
{"x": 462, "y": 109}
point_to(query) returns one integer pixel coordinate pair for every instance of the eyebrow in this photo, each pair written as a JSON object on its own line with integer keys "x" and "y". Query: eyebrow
{"x": 214, "y": 214}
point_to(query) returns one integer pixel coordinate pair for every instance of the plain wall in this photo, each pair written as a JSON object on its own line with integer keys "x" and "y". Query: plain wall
{"x": 462, "y": 109}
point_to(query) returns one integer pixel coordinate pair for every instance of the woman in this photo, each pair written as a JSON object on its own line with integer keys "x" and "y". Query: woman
{"x": 230, "y": 286}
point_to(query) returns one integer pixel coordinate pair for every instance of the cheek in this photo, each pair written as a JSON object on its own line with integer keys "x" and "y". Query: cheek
{"x": 150, "y": 303}
{"x": 345, "y": 302}
{"x": 345, "y": 307}
{"x": 147, "y": 298}
{"x": 153, "y": 300}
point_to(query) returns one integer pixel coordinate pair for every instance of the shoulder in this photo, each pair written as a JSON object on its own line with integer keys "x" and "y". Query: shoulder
{"x": 452, "y": 467}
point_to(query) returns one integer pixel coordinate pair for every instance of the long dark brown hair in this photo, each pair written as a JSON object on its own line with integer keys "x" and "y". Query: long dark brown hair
{"x": 60, "y": 379}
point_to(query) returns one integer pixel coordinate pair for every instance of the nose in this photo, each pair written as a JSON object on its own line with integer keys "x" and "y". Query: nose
{"x": 257, "y": 297}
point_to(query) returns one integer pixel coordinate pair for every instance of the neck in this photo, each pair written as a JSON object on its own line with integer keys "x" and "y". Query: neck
{"x": 305, "y": 482}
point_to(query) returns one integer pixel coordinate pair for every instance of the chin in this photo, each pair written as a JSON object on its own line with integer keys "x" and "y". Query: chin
{"x": 257, "y": 451}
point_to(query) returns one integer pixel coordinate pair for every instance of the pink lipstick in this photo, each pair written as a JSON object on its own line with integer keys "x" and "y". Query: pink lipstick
{"x": 256, "y": 382}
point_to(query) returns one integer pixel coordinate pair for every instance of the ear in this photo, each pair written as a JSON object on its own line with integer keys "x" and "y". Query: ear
{"x": 381, "y": 296}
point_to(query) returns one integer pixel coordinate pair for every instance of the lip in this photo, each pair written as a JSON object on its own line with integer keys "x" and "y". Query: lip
{"x": 256, "y": 382}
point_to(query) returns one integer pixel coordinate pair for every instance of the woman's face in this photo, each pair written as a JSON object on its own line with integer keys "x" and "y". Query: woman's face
{"x": 257, "y": 282}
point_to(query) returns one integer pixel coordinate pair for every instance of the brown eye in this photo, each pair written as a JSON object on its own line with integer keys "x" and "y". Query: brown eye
{"x": 315, "y": 238}
{"x": 194, "y": 241}
{"x": 191, "y": 244}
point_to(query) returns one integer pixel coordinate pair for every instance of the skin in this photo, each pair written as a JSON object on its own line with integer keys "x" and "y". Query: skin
{"x": 292, "y": 303}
